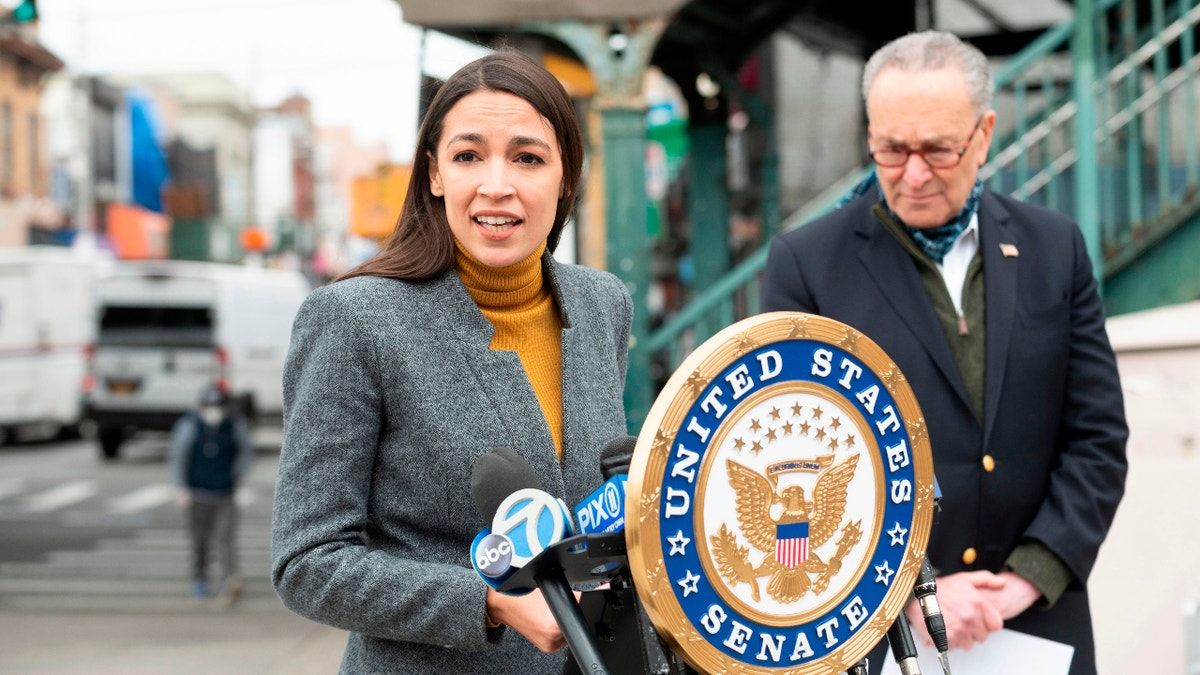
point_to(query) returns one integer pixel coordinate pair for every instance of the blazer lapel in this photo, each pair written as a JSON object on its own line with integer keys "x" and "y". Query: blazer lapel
{"x": 893, "y": 271}
{"x": 502, "y": 378}
{"x": 1000, "y": 299}
{"x": 575, "y": 471}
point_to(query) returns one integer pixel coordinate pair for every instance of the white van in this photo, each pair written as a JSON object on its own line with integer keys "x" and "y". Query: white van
{"x": 166, "y": 330}
{"x": 45, "y": 326}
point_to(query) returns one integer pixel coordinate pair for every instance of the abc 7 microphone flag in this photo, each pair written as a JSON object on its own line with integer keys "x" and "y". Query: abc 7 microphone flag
{"x": 526, "y": 523}
{"x": 780, "y": 498}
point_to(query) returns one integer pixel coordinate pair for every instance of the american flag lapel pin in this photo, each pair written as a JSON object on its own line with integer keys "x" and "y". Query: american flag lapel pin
{"x": 1008, "y": 250}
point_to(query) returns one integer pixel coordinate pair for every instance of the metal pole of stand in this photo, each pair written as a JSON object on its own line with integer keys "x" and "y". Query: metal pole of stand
{"x": 903, "y": 648}
{"x": 570, "y": 618}
{"x": 860, "y": 668}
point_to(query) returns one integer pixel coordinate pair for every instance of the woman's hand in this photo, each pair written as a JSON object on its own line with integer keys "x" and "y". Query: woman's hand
{"x": 529, "y": 615}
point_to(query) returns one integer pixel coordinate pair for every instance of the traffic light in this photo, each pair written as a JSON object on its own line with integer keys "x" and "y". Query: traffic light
{"x": 25, "y": 12}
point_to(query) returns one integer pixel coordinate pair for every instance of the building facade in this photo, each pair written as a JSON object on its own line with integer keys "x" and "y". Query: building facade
{"x": 24, "y": 176}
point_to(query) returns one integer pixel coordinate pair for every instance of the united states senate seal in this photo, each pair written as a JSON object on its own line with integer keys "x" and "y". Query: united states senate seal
{"x": 780, "y": 498}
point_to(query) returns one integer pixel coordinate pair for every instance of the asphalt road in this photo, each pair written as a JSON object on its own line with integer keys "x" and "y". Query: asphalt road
{"x": 94, "y": 575}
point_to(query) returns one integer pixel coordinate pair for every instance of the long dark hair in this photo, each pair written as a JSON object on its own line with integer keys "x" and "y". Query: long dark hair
{"x": 422, "y": 245}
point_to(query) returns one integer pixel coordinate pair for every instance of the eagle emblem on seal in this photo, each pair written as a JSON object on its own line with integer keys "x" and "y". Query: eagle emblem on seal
{"x": 790, "y": 540}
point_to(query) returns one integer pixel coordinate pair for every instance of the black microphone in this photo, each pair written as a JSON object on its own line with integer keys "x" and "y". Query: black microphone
{"x": 603, "y": 511}
{"x": 926, "y": 592}
{"x": 497, "y": 475}
{"x": 903, "y": 648}
{"x": 616, "y": 456}
{"x": 502, "y": 478}
{"x": 521, "y": 520}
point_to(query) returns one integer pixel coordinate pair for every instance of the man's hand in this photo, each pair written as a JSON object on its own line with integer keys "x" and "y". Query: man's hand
{"x": 967, "y": 607}
{"x": 1014, "y": 597}
{"x": 183, "y": 498}
{"x": 529, "y": 615}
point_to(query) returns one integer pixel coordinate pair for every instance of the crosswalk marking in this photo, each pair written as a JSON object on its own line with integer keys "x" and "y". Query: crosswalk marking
{"x": 141, "y": 499}
{"x": 10, "y": 487}
{"x": 58, "y": 497}
{"x": 146, "y": 570}
{"x": 101, "y": 538}
{"x": 68, "y": 494}
{"x": 244, "y": 497}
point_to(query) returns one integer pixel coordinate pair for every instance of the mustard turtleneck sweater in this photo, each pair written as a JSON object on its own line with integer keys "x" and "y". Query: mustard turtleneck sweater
{"x": 518, "y": 302}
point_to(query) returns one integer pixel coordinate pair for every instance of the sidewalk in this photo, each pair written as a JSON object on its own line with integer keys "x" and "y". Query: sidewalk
{"x": 218, "y": 642}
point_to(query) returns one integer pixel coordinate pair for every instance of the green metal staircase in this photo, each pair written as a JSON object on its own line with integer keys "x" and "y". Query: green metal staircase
{"x": 1097, "y": 119}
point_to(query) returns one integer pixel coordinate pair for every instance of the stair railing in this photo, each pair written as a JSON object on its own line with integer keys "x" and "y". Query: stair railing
{"x": 1143, "y": 105}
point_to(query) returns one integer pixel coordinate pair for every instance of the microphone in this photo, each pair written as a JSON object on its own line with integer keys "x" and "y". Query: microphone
{"x": 926, "y": 592}
{"x": 508, "y": 493}
{"x": 603, "y": 511}
{"x": 525, "y": 519}
{"x": 903, "y": 648}
{"x": 616, "y": 456}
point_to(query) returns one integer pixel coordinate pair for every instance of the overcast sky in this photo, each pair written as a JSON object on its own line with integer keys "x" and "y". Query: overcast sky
{"x": 355, "y": 59}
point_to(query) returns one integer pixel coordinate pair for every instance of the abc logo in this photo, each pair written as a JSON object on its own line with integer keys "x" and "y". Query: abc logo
{"x": 532, "y": 521}
{"x": 493, "y": 555}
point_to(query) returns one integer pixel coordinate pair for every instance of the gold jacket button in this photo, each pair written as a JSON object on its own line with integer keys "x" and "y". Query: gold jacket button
{"x": 989, "y": 463}
{"x": 969, "y": 556}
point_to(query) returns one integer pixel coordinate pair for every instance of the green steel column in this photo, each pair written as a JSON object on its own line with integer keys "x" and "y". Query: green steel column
{"x": 1133, "y": 131}
{"x": 618, "y": 66}
{"x": 628, "y": 254}
{"x": 1191, "y": 149}
{"x": 1087, "y": 175}
{"x": 707, "y": 207}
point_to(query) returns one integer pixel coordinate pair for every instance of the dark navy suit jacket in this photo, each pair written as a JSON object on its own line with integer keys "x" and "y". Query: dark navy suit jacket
{"x": 1053, "y": 421}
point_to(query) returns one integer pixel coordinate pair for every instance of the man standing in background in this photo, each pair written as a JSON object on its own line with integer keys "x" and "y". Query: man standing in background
{"x": 989, "y": 307}
{"x": 209, "y": 454}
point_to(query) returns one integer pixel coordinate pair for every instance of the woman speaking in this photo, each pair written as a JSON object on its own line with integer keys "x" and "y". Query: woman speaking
{"x": 464, "y": 334}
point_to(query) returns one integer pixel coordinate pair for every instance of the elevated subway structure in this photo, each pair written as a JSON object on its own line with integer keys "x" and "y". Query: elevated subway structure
{"x": 1119, "y": 75}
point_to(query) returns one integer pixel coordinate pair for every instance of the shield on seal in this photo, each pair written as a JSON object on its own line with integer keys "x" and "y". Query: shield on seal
{"x": 791, "y": 544}
{"x": 779, "y": 499}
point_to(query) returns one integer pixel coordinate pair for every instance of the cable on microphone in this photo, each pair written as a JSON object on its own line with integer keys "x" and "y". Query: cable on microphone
{"x": 926, "y": 592}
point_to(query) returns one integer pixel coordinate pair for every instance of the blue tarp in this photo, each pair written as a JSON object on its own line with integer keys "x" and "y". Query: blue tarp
{"x": 150, "y": 169}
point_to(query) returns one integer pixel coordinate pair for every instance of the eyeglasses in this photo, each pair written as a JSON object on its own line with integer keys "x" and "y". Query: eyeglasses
{"x": 935, "y": 157}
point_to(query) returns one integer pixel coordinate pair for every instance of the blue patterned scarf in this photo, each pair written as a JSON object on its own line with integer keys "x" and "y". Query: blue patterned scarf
{"x": 935, "y": 242}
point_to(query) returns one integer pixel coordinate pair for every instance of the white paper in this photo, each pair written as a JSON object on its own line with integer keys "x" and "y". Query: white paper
{"x": 1004, "y": 652}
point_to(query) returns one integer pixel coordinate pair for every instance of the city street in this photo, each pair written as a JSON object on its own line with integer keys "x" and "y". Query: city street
{"x": 94, "y": 574}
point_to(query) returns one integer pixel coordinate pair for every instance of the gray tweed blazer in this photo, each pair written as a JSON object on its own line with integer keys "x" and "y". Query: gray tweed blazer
{"x": 390, "y": 394}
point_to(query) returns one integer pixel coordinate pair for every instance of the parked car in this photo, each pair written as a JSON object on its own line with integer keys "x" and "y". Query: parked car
{"x": 166, "y": 330}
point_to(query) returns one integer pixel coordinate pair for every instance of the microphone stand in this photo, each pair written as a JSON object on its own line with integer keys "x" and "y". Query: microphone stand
{"x": 614, "y": 619}
{"x": 578, "y": 559}
{"x": 570, "y": 619}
